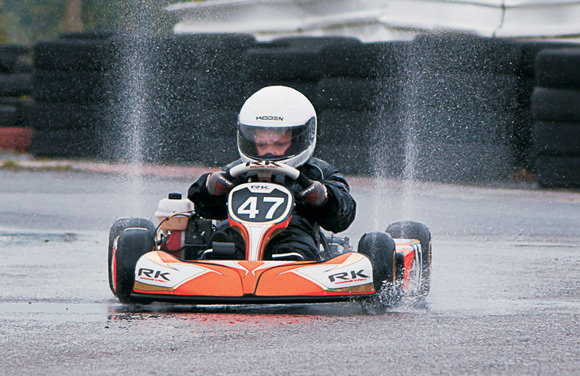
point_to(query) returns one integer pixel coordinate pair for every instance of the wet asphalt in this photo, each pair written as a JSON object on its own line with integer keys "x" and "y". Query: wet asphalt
{"x": 505, "y": 296}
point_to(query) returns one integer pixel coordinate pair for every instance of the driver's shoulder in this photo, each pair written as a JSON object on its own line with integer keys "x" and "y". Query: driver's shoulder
{"x": 317, "y": 169}
{"x": 232, "y": 164}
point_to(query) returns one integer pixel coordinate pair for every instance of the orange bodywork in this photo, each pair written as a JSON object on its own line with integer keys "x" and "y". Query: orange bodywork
{"x": 238, "y": 278}
{"x": 405, "y": 247}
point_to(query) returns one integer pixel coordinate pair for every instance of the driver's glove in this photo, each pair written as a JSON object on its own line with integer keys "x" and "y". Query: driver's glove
{"x": 315, "y": 195}
{"x": 218, "y": 185}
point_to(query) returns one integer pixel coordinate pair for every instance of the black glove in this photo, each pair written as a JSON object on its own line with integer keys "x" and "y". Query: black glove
{"x": 315, "y": 195}
{"x": 218, "y": 185}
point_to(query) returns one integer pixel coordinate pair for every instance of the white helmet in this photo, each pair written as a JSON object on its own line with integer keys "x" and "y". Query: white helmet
{"x": 278, "y": 111}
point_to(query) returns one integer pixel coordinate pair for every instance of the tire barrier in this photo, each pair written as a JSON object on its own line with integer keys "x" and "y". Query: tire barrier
{"x": 555, "y": 111}
{"x": 70, "y": 55}
{"x": 450, "y": 108}
{"x": 68, "y": 143}
{"x": 15, "y": 87}
{"x": 559, "y": 68}
{"x": 523, "y": 129}
{"x": 462, "y": 94}
{"x": 73, "y": 86}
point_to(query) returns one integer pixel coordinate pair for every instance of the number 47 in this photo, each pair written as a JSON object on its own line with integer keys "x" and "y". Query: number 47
{"x": 250, "y": 206}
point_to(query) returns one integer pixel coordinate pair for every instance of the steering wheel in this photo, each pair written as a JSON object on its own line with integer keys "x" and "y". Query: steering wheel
{"x": 269, "y": 166}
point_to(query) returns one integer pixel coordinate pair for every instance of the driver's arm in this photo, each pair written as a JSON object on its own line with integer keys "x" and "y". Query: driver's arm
{"x": 339, "y": 211}
{"x": 206, "y": 205}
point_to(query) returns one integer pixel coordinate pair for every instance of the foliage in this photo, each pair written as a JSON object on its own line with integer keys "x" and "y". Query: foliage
{"x": 27, "y": 21}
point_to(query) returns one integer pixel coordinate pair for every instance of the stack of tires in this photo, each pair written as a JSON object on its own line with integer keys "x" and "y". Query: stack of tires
{"x": 294, "y": 62}
{"x": 359, "y": 100}
{"x": 462, "y": 106}
{"x": 444, "y": 108}
{"x": 72, "y": 93}
{"x": 140, "y": 98}
{"x": 556, "y": 115}
{"x": 354, "y": 87}
{"x": 523, "y": 130}
{"x": 197, "y": 88}
{"x": 15, "y": 89}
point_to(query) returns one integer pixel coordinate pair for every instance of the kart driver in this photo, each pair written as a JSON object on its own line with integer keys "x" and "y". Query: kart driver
{"x": 278, "y": 123}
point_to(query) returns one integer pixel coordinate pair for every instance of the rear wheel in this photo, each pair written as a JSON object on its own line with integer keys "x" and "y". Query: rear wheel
{"x": 116, "y": 229}
{"x": 131, "y": 245}
{"x": 416, "y": 230}
{"x": 380, "y": 249}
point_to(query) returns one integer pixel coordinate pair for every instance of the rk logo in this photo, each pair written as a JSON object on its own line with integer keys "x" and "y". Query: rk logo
{"x": 153, "y": 273}
{"x": 345, "y": 276}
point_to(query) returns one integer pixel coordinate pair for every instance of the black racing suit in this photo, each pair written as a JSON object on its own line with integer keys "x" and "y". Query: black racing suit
{"x": 300, "y": 236}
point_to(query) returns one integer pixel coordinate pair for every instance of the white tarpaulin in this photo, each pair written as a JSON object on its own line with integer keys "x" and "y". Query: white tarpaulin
{"x": 373, "y": 20}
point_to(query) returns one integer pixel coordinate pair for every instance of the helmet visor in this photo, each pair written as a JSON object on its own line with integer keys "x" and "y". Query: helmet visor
{"x": 275, "y": 143}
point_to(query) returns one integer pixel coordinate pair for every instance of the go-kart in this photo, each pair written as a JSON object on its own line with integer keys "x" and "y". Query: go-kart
{"x": 175, "y": 262}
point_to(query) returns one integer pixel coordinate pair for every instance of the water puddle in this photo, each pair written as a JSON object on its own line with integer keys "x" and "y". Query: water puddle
{"x": 13, "y": 238}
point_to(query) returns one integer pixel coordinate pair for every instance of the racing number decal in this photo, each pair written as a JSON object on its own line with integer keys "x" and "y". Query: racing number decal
{"x": 277, "y": 201}
{"x": 250, "y": 207}
{"x": 260, "y": 203}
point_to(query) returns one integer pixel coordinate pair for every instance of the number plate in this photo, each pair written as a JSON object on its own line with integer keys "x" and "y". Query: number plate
{"x": 260, "y": 203}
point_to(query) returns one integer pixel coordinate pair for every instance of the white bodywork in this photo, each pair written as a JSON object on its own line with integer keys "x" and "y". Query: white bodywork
{"x": 379, "y": 20}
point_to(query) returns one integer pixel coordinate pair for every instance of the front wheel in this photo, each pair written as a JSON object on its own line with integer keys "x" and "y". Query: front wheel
{"x": 120, "y": 225}
{"x": 380, "y": 249}
{"x": 416, "y": 230}
{"x": 132, "y": 244}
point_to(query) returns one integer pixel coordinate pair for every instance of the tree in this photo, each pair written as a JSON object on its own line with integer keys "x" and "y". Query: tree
{"x": 27, "y": 21}
{"x": 73, "y": 20}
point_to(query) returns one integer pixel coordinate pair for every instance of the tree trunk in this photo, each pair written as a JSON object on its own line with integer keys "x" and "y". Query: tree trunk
{"x": 73, "y": 21}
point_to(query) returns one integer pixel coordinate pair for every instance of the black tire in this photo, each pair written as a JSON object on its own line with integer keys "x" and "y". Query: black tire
{"x": 462, "y": 127}
{"x": 191, "y": 120}
{"x": 10, "y": 54}
{"x": 525, "y": 90}
{"x": 342, "y": 127}
{"x": 188, "y": 86}
{"x": 284, "y": 64}
{"x": 558, "y": 68}
{"x": 522, "y": 141}
{"x": 14, "y": 85}
{"x": 87, "y": 35}
{"x": 381, "y": 157}
{"x": 220, "y": 54}
{"x": 464, "y": 54}
{"x": 460, "y": 162}
{"x": 359, "y": 127}
{"x": 563, "y": 172}
{"x": 416, "y": 230}
{"x": 365, "y": 60}
{"x": 556, "y": 105}
{"x": 351, "y": 159}
{"x": 479, "y": 92}
{"x": 73, "y": 55}
{"x": 57, "y": 116}
{"x": 311, "y": 43}
{"x": 557, "y": 139}
{"x": 308, "y": 88}
{"x": 380, "y": 249}
{"x": 71, "y": 143}
{"x": 132, "y": 244}
{"x": 358, "y": 94}
{"x": 529, "y": 52}
{"x": 8, "y": 116}
{"x": 72, "y": 87}
{"x": 201, "y": 150}
{"x": 120, "y": 225}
